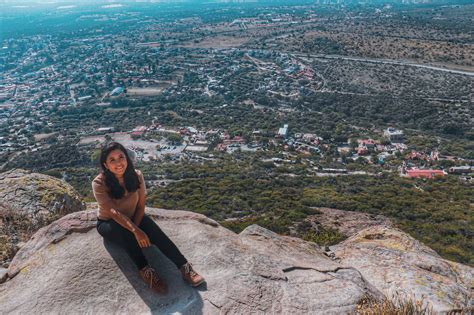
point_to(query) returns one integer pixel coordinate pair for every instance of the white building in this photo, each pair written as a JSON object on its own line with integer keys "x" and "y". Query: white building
{"x": 394, "y": 135}
{"x": 105, "y": 129}
{"x": 282, "y": 132}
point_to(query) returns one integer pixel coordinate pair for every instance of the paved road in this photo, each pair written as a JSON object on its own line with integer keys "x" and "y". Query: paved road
{"x": 386, "y": 61}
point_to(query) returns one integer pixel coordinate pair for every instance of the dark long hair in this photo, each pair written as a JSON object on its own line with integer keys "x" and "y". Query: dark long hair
{"x": 132, "y": 182}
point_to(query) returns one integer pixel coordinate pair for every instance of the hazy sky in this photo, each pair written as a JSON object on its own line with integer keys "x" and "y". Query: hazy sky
{"x": 77, "y": 1}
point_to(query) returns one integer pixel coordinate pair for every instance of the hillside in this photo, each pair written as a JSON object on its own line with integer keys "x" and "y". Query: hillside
{"x": 67, "y": 265}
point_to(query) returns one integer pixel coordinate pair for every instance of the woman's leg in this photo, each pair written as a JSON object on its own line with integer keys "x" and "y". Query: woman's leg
{"x": 159, "y": 238}
{"x": 119, "y": 235}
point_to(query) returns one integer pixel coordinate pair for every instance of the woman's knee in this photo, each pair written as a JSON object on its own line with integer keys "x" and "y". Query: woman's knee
{"x": 104, "y": 229}
{"x": 111, "y": 229}
{"x": 147, "y": 224}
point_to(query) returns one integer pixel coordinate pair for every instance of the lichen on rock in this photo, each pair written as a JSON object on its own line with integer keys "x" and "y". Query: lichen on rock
{"x": 29, "y": 201}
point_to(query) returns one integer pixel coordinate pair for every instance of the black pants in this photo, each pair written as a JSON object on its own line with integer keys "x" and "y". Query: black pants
{"x": 114, "y": 232}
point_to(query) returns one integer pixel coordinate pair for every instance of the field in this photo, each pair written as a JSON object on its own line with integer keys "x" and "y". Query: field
{"x": 148, "y": 91}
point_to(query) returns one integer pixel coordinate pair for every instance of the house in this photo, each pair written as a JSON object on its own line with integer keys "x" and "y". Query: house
{"x": 460, "y": 169}
{"x": 237, "y": 140}
{"x": 434, "y": 155}
{"x": 282, "y": 132}
{"x": 415, "y": 155}
{"x": 394, "y": 135}
{"x": 311, "y": 138}
{"x": 417, "y": 173}
{"x": 103, "y": 130}
{"x": 192, "y": 130}
{"x": 141, "y": 129}
{"x": 362, "y": 150}
{"x": 136, "y": 134}
{"x": 365, "y": 146}
{"x": 368, "y": 143}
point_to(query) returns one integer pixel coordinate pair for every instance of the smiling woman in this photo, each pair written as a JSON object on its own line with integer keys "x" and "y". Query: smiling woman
{"x": 125, "y": 185}
{"x": 120, "y": 193}
{"x": 116, "y": 163}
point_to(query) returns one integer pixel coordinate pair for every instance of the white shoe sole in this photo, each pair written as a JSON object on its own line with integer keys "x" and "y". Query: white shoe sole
{"x": 199, "y": 283}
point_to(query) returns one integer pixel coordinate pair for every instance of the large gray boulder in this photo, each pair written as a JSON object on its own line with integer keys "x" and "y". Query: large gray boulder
{"x": 29, "y": 201}
{"x": 400, "y": 266}
{"x": 36, "y": 196}
{"x": 66, "y": 266}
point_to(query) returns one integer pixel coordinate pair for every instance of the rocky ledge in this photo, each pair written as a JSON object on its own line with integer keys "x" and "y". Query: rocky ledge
{"x": 67, "y": 266}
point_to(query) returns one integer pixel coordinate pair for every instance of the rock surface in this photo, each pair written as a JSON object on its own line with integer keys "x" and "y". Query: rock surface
{"x": 347, "y": 222}
{"x": 397, "y": 264}
{"x": 67, "y": 265}
{"x": 29, "y": 201}
{"x": 36, "y": 195}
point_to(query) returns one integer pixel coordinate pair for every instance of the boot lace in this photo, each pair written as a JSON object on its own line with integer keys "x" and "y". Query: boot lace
{"x": 151, "y": 274}
{"x": 188, "y": 269}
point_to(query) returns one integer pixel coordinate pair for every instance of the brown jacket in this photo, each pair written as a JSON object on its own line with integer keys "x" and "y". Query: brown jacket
{"x": 128, "y": 205}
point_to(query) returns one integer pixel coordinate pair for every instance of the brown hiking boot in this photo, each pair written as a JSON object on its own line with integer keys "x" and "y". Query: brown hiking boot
{"x": 151, "y": 278}
{"x": 191, "y": 276}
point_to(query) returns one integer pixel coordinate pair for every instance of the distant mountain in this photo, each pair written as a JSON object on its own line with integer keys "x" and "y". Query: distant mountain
{"x": 60, "y": 2}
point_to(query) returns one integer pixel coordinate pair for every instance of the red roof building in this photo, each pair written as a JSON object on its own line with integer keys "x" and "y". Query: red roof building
{"x": 416, "y": 173}
{"x": 137, "y": 133}
{"x": 221, "y": 147}
{"x": 362, "y": 150}
{"x": 414, "y": 155}
{"x": 366, "y": 142}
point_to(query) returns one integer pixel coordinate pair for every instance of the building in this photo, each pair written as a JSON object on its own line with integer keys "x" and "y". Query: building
{"x": 365, "y": 146}
{"x": 139, "y": 129}
{"x": 192, "y": 129}
{"x": 368, "y": 143}
{"x": 460, "y": 169}
{"x": 310, "y": 138}
{"x": 103, "y": 130}
{"x": 415, "y": 155}
{"x": 394, "y": 135}
{"x": 417, "y": 173}
{"x": 362, "y": 151}
{"x": 84, "y": 98}
{"x": 117, "y": 91}
{"x": 283, "y": 132}
{"x": 237, "y": 140}
{"x": 221, "y": 147}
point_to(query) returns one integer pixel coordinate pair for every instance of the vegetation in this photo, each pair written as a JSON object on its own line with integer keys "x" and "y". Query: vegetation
{"x": 16, "y": 228}
{"x": 397, "y": 305}
{"x": 271, "y": 79}
{"x": 437, "y": 212}
{"x": 324, "y": 236}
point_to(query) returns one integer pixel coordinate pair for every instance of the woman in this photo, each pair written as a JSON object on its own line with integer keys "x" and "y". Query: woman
{"x": 120, "y": 193}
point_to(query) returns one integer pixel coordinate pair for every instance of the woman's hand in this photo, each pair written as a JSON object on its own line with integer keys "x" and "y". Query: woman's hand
{"x": 142, "y": 238}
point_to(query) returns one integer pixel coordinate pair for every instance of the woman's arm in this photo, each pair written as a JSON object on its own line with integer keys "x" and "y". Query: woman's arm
{"x": 105, "y": 205}
{"x": 124, "y": 221}
{"x": 140, "y": 209}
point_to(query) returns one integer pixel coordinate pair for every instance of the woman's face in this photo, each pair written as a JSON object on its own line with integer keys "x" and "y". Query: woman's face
{"x": 116, "y": 162}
